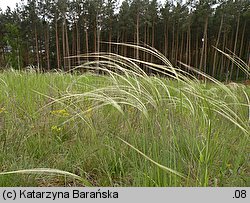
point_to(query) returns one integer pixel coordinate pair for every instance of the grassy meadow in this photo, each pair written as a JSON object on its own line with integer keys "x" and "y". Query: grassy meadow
{"x": 122, "y": 128}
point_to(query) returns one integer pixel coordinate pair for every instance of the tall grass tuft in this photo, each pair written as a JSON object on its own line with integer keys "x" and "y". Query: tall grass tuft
{"x": 117, "y": 125}
{"x": 164, "y": 104}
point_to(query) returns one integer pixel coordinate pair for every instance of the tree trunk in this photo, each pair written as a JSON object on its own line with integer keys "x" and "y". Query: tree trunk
{"x": 205, "y": 46}
{"x": 222, "y": 58}
{"x": 153, "y": 39}
{"x": 189, "y": 45}
{"x": 137, "y": 35}
{"x": 148, "y": 41}
{"x": 235, "y": 45}
{"x": 57, "y": 47}
{"x": 216, "y": 45}
{"x": 98, "y": 39}
{"x": 47, "y": 46}
{"x": 117, "y": 41}
{"x": 145, "y": 42}
{"x": 40, "y": 54}
{"x": 172, "y": 55}
{"x": 229, "y": 45}
{"x": 196, "y": 50}
{"x": 73, "y": 46}
{"x": 166, "y": 40}
{"x": 95, "y": 36}
{"x": 203, "y": 50}
{"x": 110, "y": 39}
{"x": 177, "y": 45}
{"x": 98, "y": 36}
{"x": 187, "y": 48}
{"x": 67, "y": 45}
{"x": 98, "y": 33}
{"x": 248, "y": 63}
{"x": 123, "y": 41}
{"x": 63, "y": 43}
{"x": 241, "y": 47}
{"x": 78, "y": 43}
{"x": 125, "y": 47}
{"x": 182, "y": 44}
{"x": 86, "y": 39}
{"x": 37, "y": 49}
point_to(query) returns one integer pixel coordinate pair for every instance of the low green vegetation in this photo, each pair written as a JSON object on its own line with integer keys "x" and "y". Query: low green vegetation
{"x": 122, "y": 127}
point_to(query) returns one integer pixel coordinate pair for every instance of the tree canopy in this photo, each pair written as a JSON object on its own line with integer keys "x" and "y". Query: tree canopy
{"x": 43, "y": 33}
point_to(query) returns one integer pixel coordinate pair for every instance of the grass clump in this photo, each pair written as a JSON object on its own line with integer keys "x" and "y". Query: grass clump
{"x": 123, "y": 127}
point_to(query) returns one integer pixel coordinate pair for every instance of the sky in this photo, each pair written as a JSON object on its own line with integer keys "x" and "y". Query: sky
{"x": 12, "y": 3}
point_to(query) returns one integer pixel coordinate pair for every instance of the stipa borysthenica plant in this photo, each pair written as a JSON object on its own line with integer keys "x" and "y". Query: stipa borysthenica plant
{"x": 172, "y": 129}
{"x": 176, "y": 107}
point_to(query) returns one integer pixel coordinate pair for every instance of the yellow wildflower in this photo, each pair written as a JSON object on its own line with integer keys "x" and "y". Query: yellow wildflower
{"x": 2, "y": 110}
{"x": 55, "y": 128}
{"x": 60, "y": 112}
